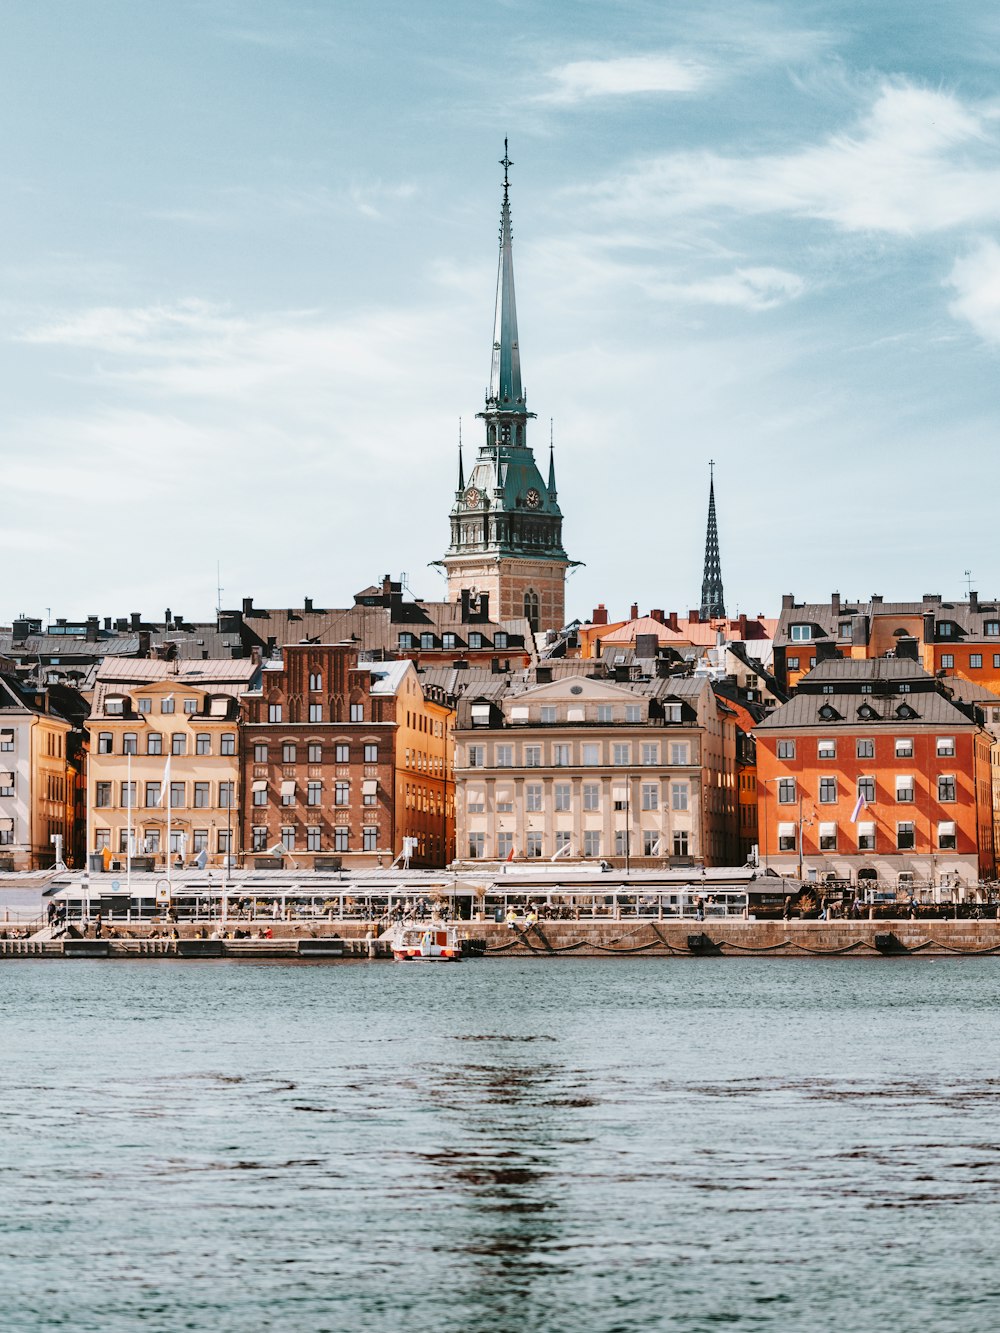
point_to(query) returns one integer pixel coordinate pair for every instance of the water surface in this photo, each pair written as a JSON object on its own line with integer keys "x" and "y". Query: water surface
{"x": 580, "y": 1144}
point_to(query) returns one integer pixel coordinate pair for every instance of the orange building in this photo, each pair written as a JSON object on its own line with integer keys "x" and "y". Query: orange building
{"x": 875, "y": 775}
{"x": 669, "y": 629}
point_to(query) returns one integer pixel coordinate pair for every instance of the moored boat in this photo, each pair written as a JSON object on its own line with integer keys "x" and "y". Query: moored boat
{"x": 426, "y": 944}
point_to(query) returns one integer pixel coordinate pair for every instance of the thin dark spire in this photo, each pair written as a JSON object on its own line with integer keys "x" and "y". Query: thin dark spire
{"x": 713, "y": 605}
{"x": 461, "y": 466}
{"x": 552, "y": 462}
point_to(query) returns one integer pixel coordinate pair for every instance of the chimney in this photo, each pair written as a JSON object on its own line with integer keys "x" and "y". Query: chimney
{"x": 247, "y": 606}
{"x": 931, "y": 599}
{"x": 859, "y": 629}
{"x": 494, "y": 666}
{"x": 634, "y": 611}
{"x": 646, "y": 645}
{"x": 543, "y": 675}
{"x": 657, "y": 615}
{"x": 662, "y": 667}
{"x": 742, "y": 622}
{"x": 144, "y": 643}
{"x": 93, "y": 628}
{"x": 107, "y": 623}
{"x": 672, "y": 620}
{"x": 928, "y": 627}
{"x": 835, "y": 603}
{"x": 600, "y": 616}
{"x": 167, "y": 618}
{"x": 308, "y": 603}
{"x": 464, "y": 594}
{"x": 788, "y": 601}
{"x": 973, "y": 600}
{"x": 21, "y": 629}
{"x": 386, "y": 585}
{"x": 136, "y": 618}
{"x": 484, "y": 606}
{"x": 876, "y": 599}
{"x": 694, "y": 617}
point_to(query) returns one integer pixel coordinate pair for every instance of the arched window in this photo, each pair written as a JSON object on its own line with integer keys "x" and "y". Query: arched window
{"x": 531, "y": 608}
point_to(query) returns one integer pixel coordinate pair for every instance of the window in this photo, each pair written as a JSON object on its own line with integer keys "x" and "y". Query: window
{"x": 315, "y": 681}
{"x": 199, "y": 840}
{"x": 202, "y": 743}
{"x": 786, "y": 749}
{"x": 7, "y": 738}
{"x": 650, "y": 842}
{"x": 315, "y": 753}
{"x": 621, "y": 754}
{"x": 314, "y": 836}
{"x": 123, "y": 840}
{"x": 533, "y": 796}
{"x": 681, "y": 844}
{"x": 114, "y": 704}
{"x": 500, "y": 639}
{"x": 591, "y": 842}
{"x": 991, "y": 629}
{"x": 634, "y": 712}
{"x": 650, "y": 754}
{"x": 946, "y": 787}
{"x": 562, "y": 839}
{"x": 945, "y": 629}
{"x": 605, "y": 713}
{"x": 177, "y": 795}
{"x": 532, "y": 756}
{"x": 227, "y": 744}
{"x": 190, "y": 705}
{"x": 178, "y": 743}
{"x": 827, "y": 791}
{"x": 591, "y": 796}
{"x": 407, "y": 641}
{"x": 154, "y": 794}
{"x": 866, "y": 788}
{"x": 315, "y": 712}
{"x": 561, "y": 756}
{"x": 904, "y": 748}
{"x": 369, "y": 792}
{"x": 844, "y": 630}
{"x": 505, "y": 844}
{"x": 227, "y": 795}
{"x": 288, "y": 754}
{"x": 531, "y": 608}
{"x": 792, "y": 663}
{"x": 341, "y": 840}
{"x": 130, "y": 743}
{"x": 288, "y": 837}
{"x": 904, "y": 836}
{"x": 828, "y": 837}
{"x": 533, "y": 843}
{"x": 680, "y": 752}
{"x": 104, "y": 742}
{"x": 477, "y": 846}
{"x": 947, "y": 660}
{"x": 259, "y": 843}
{"x": 975, "y": 661}
{"x": 679, "y": 795}
{"x": 801, "y": 633}
{"x": 504, "y": 756}
{"x": 449, "y": 641}
{"x": 547, "y": 713}
{"x": 946, "y": 836}
{"x": 786, "y": 837}
{"x": 904, "y": 787}
{"x": 591, "y": 754}
{"x": 143, "y": 705}
{"x": 342, "y": 754}
{"x": 945, "y": 747}
{"x": 371, "y": 754}
{"x": 865, "y": 749}
{"x": 274, "y": 712}
{"x": 866, "y": 837}
{"x": 650, "y": 796}
{"x": 996, "y": 661}
{"x": 223, "y": 841}
{"x": 167, "y": 704}
{"x": 827, "y": 749}
{"x": 314, "y": 793}
{"x": 786, "y": 791}
{"x": 102, "y": 795}
{"x": 260, "y": 754}
{"x": 357, "y": 712}
{"x": 201, "y": 801}
{"x": 475, "y": 639}
{"x": 477, "y": 756}
{"x": 561, "y": 795}
{"x": 260, "y": 793}
{"x": 369, "y": 838}
{"x": 342, "y": 793}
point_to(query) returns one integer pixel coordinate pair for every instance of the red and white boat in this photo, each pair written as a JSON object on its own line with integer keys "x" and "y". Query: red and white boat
{"x": 426, "y": 944}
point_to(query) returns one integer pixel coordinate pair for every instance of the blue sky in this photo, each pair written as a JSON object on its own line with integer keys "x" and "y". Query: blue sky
{"x": 248, "y": 263}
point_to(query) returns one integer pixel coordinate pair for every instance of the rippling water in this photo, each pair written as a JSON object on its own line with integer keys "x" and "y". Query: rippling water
{"x": 505, "y": 1145}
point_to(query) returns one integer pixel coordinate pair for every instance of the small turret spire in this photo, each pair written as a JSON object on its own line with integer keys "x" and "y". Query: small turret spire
{"x": 461, "y": 467}
{"x": 505, "y": 391}
{"x": 552, "y": 463}
{"x": 713, "y": 603}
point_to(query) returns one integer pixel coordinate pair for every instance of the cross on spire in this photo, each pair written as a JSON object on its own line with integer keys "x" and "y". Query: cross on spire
{"x": 505, "y": 162}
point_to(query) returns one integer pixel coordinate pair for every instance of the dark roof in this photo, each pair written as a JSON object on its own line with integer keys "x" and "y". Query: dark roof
{"x": 804, "y": 710}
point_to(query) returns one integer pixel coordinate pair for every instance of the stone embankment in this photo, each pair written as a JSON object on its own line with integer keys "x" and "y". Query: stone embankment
{"x": 730, "y": 937}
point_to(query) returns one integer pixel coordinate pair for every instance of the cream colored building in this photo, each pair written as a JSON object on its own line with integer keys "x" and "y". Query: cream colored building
{"x": 637, "y": 771}
{"x": 36, "y": 778}
{"x": 164, "y": 758}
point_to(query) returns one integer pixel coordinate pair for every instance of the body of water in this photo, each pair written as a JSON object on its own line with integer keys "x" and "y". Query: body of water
{"x": 580, "y": 1144}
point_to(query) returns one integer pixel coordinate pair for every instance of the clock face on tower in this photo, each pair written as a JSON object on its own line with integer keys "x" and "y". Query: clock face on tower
{"x": 472, "y": 497}
{"x": 533, "y": 499}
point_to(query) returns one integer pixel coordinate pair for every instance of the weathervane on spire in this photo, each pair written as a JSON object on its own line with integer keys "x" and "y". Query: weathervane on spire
{"x": 505, "y": 162}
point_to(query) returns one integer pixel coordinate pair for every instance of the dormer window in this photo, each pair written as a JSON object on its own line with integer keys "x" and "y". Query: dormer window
{"x": 905, "y": 711}
{"x": 946, "y": 629}
{"x": 406, "y": 641}
{"x": 475, "y": 639}
{"x": 867, "y": 712}
{"x": 991, "y": 628}
{"x": 801, "y": 633}
{"x": 114, "y": 704}
{"x": 448, "y": 641}
{"x": 427, "y": 640}
{"x": 844, "y": 630}
{"x": 828, "y": 713}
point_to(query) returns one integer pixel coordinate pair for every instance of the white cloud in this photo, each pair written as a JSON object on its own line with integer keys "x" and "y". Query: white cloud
{"x": 976, "y": 280}
{"x": 623, "y": 77}
{"x": 919, "y": 161}
{"x": 748, "y": 288}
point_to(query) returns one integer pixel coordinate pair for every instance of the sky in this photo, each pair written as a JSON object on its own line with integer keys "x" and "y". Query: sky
{"x": 248, "y": 265}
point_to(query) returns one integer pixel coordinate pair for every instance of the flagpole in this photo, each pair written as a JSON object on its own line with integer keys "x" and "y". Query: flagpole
{"x": 166, "y": 791}
{"x": 128, "y": 826}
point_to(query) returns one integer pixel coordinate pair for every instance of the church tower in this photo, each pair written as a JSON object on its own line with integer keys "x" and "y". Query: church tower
{"x": 506, "y": 524}
{"x": 713, "y": 605}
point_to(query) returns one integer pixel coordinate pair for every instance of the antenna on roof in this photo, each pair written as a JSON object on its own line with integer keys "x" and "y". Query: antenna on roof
{"x": 968, "y": 584}
{"x": 218, "y": 588}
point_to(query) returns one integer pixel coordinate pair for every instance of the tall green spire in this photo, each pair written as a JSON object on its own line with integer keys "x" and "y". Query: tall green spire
{"x": 505, "y": 391}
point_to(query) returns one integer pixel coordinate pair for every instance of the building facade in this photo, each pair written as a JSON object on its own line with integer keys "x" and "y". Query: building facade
{"x": 506, "y": 524}
{"x": 873, "y": 774}
{"x": 632, "y": 771}
{"x": 37, "y": 777}
{"x": 345, "y": 760}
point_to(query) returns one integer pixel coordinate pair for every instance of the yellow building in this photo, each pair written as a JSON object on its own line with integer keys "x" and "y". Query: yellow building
{"x": 163, "y": 773}
{"x": 36, "y": 779}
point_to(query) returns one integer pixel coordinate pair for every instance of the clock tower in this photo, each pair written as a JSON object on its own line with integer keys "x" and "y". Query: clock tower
{"x": 506, "y": 524}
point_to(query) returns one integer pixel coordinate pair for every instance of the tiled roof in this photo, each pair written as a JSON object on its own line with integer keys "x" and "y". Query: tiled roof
{"x": 803, "y": 710}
